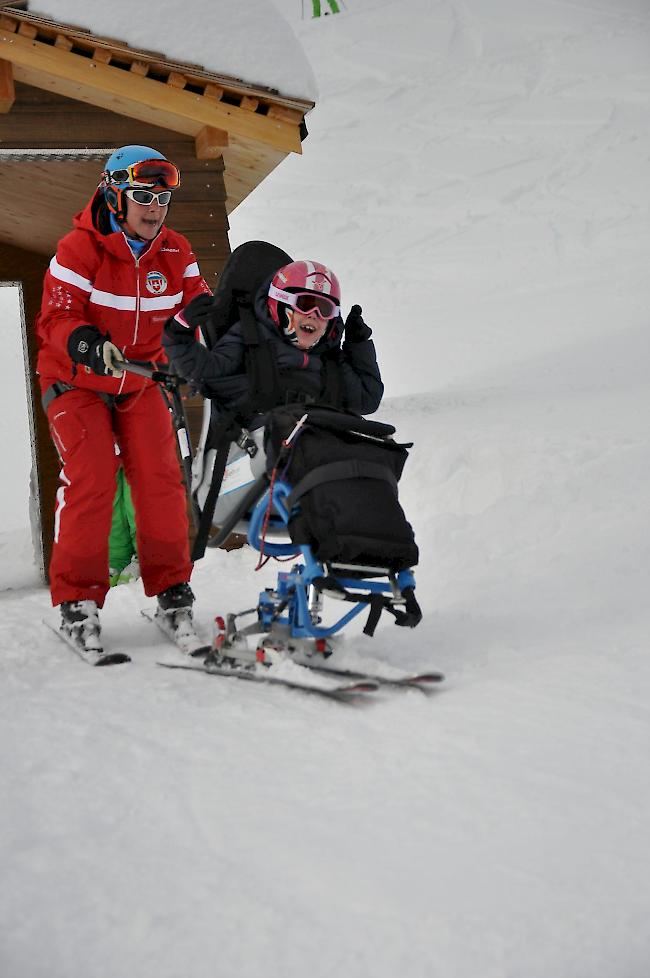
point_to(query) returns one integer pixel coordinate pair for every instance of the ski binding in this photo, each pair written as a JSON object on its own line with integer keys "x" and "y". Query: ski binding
{"x": 93, "y": 657}
{"x": 184, "y": 638}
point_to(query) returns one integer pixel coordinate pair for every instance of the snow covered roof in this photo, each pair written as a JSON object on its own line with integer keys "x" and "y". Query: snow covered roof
{"x": 248, "y": 41}
{"x": 235, "y": 80}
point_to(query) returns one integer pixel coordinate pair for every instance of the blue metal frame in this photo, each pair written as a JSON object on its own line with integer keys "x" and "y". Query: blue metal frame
{"x": 293, "y": 586}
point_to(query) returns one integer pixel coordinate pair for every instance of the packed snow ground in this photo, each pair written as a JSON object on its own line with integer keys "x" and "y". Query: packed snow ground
{"x": 170, "y": 824}
{"x": 165, "y": 824}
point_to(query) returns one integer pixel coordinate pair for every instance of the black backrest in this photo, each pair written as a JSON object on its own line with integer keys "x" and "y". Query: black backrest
{"x": 244, "y": 272}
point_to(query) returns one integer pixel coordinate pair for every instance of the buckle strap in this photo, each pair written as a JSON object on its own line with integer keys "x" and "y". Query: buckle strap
{"x": 60, "y": 387}
{"x": 55, "y": 390}
{"x": 335, "y": 471}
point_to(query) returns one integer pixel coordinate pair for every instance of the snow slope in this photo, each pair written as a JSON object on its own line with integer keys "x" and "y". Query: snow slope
{"x": 476, "y": 173}
{"x": 170, "y": 824}
{"x": 165, "y": 824}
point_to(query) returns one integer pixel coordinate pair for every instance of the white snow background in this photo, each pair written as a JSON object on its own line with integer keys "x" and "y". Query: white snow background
{"x": 477, "y": 173}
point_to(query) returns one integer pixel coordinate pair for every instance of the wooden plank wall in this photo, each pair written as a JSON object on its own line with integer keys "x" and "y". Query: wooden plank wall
{"x": 45, "y": 120}
{"x": 29, "y": 191}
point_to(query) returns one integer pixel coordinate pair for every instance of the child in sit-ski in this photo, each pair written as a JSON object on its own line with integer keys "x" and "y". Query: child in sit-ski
{"x": 319, "y": 359}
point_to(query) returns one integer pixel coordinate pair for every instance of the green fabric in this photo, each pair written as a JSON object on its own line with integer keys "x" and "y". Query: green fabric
{"x": 121, "y": 542}
{"x": 334, "y": 7}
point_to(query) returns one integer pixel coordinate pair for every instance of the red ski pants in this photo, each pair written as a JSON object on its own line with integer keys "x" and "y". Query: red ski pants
{"x": 85, "y": 430}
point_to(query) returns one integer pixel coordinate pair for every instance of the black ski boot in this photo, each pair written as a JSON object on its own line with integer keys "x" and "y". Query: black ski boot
{"x": 174, "y": 617}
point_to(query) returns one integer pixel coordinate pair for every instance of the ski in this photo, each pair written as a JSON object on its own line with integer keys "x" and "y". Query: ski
{"x": 189, "y": 644}
{"x": 344, "y": 691}
{"x": 92, "y": 657}
{"x": 414, "y": 680}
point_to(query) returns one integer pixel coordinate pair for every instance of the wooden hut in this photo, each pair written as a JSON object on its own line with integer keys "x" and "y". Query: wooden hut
{"x": 67, "y": 99}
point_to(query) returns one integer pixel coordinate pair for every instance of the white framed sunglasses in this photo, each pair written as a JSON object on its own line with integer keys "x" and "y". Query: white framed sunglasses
{"x": 147, "y": 197}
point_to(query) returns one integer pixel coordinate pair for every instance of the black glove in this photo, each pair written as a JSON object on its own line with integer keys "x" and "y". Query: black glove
{"x": 355, "y": 329}
{"x": 175, "y": 332}
{"x": 90, "y": 348}
{"x": 198, "y": 312}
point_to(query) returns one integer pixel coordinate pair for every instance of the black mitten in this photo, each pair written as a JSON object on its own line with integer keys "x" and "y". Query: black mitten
{"x": 195, "y": 314}
{"x": 176, "y": 332}
{"x": 355, "y": 329}
{"x": 198, "y": 311}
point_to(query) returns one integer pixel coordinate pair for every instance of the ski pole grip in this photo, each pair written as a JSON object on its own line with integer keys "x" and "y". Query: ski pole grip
{"x": 151, "y": 372}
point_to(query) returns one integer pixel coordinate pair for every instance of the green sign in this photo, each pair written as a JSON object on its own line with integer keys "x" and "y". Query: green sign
{"x": 333, "y": 5}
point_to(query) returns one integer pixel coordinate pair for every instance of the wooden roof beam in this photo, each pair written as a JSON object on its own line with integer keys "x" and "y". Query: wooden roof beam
{"x": 108, "y": 87}
{"x": 8, "y": 24}
{"x": 139, "y": 68}
{"x": 7, "y": 90}
{"x": 61, "y": 41}
{"x": 210, "y": 143}
{"x": 103, "y": 55}
{"x": 27, "y": 30}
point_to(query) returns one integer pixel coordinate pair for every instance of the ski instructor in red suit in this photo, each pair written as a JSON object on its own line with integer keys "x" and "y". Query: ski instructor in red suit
{"x": 114, "y": 281}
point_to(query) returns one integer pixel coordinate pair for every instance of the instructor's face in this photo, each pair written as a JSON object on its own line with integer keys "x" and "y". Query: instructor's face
{"x": 144, "y": 220}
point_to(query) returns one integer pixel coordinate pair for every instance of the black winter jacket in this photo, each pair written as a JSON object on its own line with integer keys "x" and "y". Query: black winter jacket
{"x": 220, "y": 373}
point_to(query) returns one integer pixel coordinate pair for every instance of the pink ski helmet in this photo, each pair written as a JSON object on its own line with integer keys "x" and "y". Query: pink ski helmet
{"x": 305, "y": 278}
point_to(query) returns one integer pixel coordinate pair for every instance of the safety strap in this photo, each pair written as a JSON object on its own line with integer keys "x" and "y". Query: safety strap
{"x": 227, "y": 431}
{"x": 60, "y": 387}
{"x": 377, "y": 604}
{"x": 55, "y": 390}
{"x": 334, "y": 471}
{"x": 409, "y": 618}
{"x": 263, "y": 380}
{"x": 332, "y": 393}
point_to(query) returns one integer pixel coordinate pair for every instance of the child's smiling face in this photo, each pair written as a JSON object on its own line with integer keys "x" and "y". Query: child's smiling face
{"x": 308, "y": 328}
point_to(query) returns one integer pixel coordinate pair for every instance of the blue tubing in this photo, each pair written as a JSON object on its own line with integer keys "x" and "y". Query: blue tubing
{"x": 279, "y": 519}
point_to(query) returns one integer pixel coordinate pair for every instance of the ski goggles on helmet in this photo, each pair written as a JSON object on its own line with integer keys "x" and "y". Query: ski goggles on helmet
{"x": 146, "y": 173}
{"x": 306, "y": 302}
{"x": 148, "y": 196}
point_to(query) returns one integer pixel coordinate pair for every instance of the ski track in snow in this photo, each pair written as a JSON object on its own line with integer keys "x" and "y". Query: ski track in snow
{"x": 486, "y": 165}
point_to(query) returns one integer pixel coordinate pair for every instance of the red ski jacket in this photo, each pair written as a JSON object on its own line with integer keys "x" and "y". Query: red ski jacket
{"x": 95, "y": 280}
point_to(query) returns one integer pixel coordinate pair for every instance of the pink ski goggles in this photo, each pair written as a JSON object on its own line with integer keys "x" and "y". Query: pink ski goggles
{"x": 306, "y": 302}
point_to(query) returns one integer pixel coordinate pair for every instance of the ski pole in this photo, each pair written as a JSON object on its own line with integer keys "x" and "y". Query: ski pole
{"x": 170, "y": 384}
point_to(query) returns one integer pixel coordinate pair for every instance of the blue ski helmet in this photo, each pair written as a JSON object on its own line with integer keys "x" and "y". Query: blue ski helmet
{"x": 135, "y": 166}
